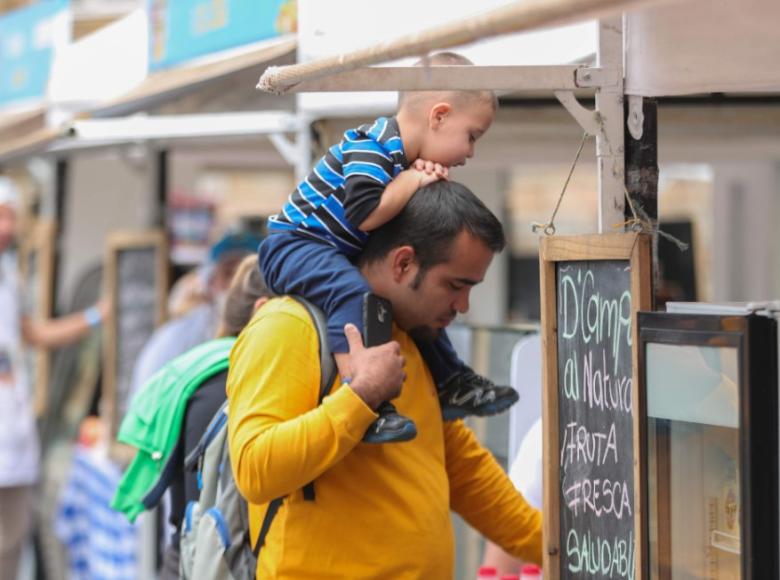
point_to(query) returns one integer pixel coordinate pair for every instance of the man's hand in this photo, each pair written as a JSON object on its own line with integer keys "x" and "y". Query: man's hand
{"x": 430, "y": 171}
{"x": 377, "y": 372}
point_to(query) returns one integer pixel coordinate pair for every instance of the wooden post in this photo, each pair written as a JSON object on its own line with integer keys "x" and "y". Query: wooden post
{"x": 641, "y": 163}
{"x": 60, "y": 218}
{"x": 161, "y": 186}
{"x": 642, "y": 157}
{"x": 609, "y": 139}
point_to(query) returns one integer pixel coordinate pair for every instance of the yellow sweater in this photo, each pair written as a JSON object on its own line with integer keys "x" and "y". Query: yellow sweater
{"x": 381, "y": 511}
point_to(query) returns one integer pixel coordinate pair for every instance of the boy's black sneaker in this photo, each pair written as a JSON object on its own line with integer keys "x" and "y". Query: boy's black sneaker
{"x": 468, "y": 393}
{"x": 390, "y": 427}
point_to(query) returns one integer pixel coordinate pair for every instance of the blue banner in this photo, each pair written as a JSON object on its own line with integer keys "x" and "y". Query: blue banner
{"x": 28, "y": 37}
{"x": 180, "y": 30}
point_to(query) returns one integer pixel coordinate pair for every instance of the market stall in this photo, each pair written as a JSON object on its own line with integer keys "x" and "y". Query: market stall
{"x": 699, "y": 129}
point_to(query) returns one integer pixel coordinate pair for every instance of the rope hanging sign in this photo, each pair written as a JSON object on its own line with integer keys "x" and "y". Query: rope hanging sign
{"x": 640, "y": 221}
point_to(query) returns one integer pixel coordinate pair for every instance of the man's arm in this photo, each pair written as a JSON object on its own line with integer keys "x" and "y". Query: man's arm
{"x": 482, "y": 493}
{"x": 58, "y": 332}
{"x": 279, "y": 438}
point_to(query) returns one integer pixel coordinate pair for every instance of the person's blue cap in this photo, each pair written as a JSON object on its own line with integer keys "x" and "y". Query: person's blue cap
{"x": 234, "y": 243}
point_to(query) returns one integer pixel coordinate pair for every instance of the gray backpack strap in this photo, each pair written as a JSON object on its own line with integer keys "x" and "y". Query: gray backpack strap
{"x": 327, "y": 366}
{"x": 327, "y": 375}
{"x": 327, "y": 362}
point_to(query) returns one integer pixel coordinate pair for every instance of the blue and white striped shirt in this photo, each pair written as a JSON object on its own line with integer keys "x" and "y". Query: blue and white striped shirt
{"x": 100, "y": 542}
{"x": 344, "y": 187}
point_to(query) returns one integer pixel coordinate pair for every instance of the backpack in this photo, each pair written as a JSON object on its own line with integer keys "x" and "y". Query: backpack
{"x": 215, "y": 541}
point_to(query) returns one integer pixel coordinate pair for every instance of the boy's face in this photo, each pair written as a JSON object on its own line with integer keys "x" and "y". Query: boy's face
{"x": 453, "y": 131}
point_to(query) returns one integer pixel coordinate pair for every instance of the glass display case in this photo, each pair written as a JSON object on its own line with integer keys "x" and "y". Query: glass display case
{"x": 708, "y": 389}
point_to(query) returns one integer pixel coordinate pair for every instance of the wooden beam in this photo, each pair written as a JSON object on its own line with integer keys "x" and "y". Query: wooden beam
{"x": 498, "y": 78}
{"x": 514, "y": 17}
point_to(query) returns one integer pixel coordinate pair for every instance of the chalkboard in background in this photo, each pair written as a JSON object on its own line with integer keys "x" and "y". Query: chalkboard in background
{"x": 592, "y": 287}
{"x": 136, "y": 275}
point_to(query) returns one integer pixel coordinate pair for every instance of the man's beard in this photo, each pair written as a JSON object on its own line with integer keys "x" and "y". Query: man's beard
{"x": 424, "y": 334}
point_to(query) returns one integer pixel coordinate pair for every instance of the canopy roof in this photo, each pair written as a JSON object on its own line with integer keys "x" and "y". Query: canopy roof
{"x": 105, "y": 75}
{"x": 703, "y": 46}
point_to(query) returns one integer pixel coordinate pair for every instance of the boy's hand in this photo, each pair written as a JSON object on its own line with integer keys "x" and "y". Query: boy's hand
{"x": 428, "y": 171}
{"x": 431, "y": 168}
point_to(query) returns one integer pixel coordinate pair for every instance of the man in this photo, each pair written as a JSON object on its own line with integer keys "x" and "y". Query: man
{"x": 18, "y": 436}
{"x": 378, "y": 511}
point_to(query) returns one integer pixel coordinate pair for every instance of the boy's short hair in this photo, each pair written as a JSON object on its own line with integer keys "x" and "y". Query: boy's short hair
{"x": 446, "y": 58}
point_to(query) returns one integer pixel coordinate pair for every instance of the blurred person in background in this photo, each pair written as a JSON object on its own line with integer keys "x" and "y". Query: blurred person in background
{"x": 171, "y": 388}
{"x": 19, "y": 448}
{"x": 198, "y": 297}
{"x": 196, "y": 302}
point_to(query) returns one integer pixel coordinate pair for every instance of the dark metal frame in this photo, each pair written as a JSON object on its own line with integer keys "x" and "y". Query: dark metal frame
{"x": 755, "y": 338}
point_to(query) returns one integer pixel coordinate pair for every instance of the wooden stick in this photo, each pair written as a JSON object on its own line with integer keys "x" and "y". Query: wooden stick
{"x": 515, "y": 17}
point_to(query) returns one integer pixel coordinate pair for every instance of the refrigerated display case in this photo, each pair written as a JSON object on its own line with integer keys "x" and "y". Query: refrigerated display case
{"x": 708, "y": 388}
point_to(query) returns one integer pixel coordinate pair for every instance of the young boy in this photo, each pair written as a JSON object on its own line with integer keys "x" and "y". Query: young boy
{"x": 358, "y": 185}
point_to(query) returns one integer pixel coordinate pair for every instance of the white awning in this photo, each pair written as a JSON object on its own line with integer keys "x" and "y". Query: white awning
{"x": 105, "y": 74}
{"x": 704, "y": 46}
{"x": 165, "y": 86}
{"x": 99, "y": 67}
{"x": 95, "y": 133}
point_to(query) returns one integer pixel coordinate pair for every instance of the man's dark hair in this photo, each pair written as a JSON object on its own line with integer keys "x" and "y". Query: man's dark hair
{"x": 429, "y": 223}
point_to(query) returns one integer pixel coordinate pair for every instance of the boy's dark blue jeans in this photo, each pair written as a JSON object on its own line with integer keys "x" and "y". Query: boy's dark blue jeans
{"x": 293, "y": 264}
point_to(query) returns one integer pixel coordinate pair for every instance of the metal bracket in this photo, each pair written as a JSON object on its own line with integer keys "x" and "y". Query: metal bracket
{"x": 597, "y": 78}
{"x": 285, "y": 147}
{"x": 587, "y": 119}
{"x": 636, "y": 117}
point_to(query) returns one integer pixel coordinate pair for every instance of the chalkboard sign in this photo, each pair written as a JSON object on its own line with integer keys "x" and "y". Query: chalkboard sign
{"x": 37, "y": 268}
{"x": 136, "y": 275}
{"x": 592, "y": 287}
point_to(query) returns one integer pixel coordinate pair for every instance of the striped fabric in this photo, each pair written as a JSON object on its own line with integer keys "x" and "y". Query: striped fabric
{"x": 345, "y": 187}
{"x": 100, "y": 542}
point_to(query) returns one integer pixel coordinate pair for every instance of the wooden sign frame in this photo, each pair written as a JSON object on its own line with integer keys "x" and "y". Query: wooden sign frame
{"x": 40, "y": 246}
{"x": 117, "y": 242}
{"x": 631, "y": 247}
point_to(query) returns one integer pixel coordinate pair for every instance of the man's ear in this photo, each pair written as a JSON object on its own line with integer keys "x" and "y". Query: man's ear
{"x": 438, "y": 114}
{"x": 404, "y": 263}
